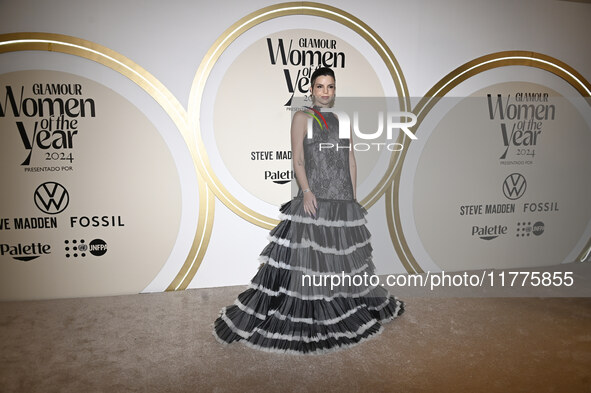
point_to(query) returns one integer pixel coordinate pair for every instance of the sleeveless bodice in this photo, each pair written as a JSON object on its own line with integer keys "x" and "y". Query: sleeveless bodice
{"x": 327, "y": 167}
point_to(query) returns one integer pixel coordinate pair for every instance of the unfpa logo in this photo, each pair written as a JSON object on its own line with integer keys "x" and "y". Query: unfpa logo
{"x": 79, "y": 248}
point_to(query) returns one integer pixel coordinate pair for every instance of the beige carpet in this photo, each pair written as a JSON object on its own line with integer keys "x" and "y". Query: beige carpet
{"x": 163, "y": 343}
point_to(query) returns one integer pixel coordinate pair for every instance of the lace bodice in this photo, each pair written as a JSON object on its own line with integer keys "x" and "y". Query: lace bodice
{"x": 327, "y": 167}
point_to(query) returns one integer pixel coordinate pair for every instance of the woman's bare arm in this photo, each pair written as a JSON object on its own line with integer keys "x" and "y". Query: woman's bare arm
{"x": 298, "y": 133}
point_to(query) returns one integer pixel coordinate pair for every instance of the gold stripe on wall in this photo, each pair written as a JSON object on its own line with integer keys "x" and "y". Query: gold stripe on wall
{"x": 586, "y": 253}
{"x": 204, "y": 226}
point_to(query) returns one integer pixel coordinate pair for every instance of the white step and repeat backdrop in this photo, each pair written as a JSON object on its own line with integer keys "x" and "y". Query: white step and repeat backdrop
{"x": 144, "y": 146}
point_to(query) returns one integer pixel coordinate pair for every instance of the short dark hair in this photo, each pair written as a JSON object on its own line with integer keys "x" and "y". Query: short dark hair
{"x": 322, "y": 71}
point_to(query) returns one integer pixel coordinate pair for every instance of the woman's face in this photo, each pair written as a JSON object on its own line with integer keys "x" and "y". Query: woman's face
{"x": 323, "y": 90}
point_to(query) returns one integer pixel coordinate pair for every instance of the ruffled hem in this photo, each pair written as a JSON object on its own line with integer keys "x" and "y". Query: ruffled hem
{"x": 280, "y": 313}
{"x": 314, "y": 351}
{"x": 346, "y": 333}
{"x": 262, "y": 305}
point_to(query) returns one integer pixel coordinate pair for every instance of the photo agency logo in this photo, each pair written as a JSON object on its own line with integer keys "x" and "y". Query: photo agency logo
{"x": 389, "y": 125}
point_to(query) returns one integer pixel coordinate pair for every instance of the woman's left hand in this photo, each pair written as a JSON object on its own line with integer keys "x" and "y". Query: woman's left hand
{"x": 310, "y": 204}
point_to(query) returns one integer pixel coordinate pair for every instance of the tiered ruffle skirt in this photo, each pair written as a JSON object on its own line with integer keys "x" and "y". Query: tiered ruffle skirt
{"x": 310, "y": 295}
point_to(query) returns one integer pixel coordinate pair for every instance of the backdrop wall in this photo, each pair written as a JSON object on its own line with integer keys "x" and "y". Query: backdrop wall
{"x": 145, "y": 146}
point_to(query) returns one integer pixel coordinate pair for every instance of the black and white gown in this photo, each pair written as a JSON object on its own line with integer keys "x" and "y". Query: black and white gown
{"x": 286, "y": 307}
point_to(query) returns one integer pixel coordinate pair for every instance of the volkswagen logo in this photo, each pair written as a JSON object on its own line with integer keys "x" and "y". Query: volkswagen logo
{"x": 51, "y": 198}
{"x": 514, "y": 186}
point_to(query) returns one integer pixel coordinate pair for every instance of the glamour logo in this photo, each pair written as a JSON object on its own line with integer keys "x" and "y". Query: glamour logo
{"x": 305, "y": 57}
{"x": 526, "y": 117}
{"x": 55, "y": 123}
{"x": 40, "y": 107}
{"x": 325, "y": 54}
{"x": 51, "y": 198}
{"x": 514, "y": 186}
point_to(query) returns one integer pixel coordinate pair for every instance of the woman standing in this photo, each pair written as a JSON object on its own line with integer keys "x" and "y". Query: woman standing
{"x": 294, "y": 304}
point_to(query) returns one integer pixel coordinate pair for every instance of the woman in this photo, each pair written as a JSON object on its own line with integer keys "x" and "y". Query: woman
{"x": 304, "y": 300}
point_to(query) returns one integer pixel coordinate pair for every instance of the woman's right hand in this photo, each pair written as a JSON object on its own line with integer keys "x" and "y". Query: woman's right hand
{"x": 310, "y": 204}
